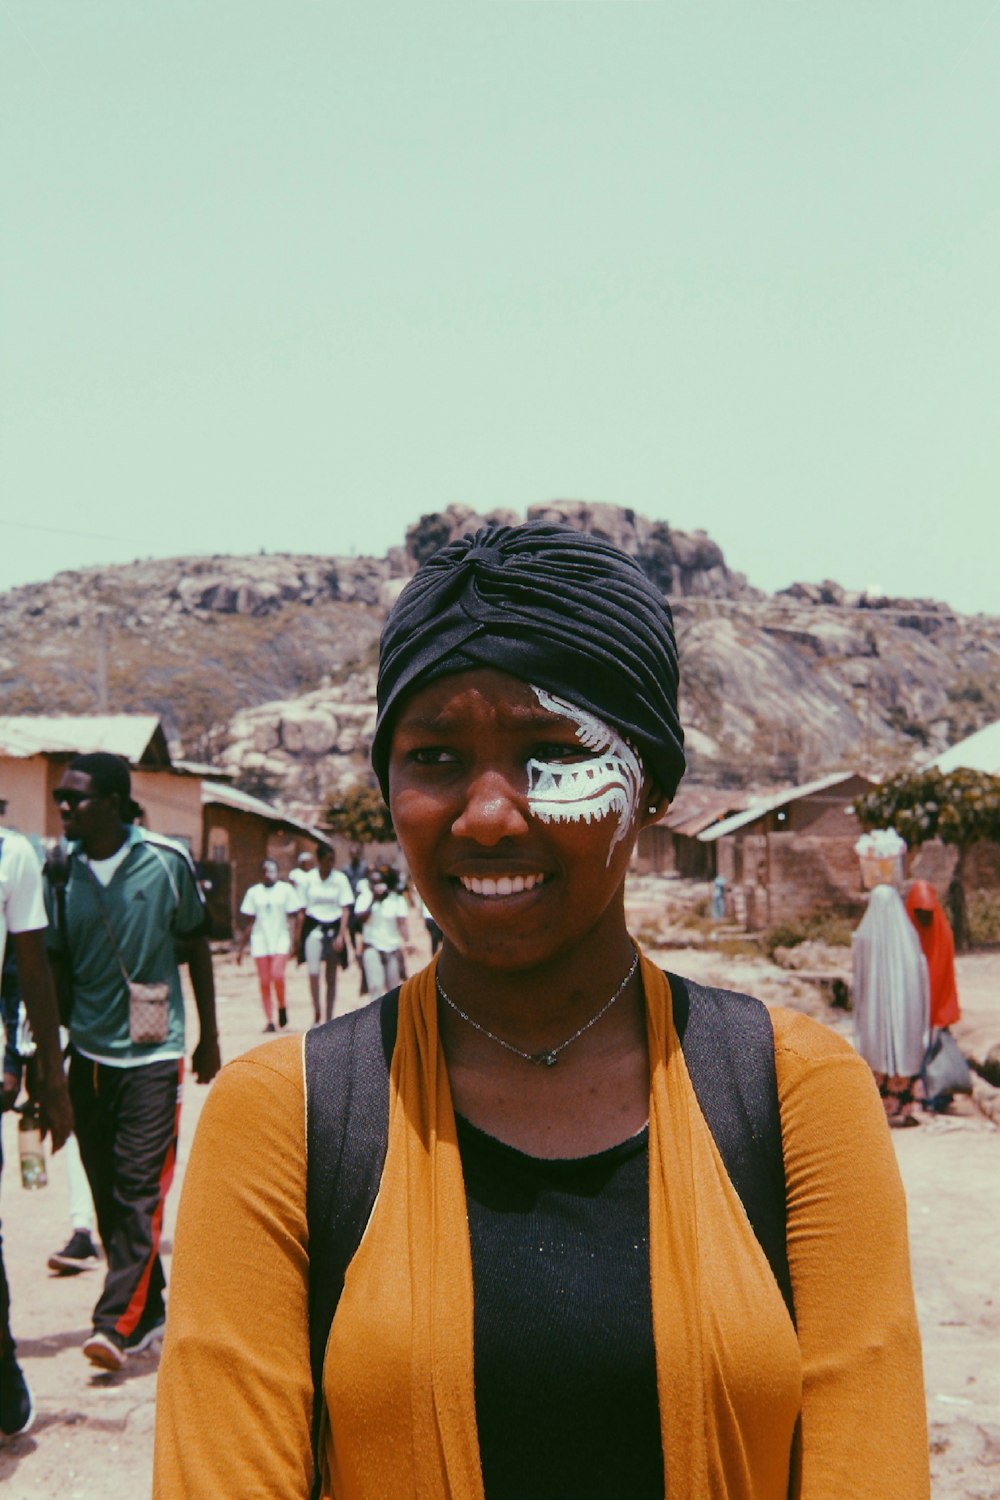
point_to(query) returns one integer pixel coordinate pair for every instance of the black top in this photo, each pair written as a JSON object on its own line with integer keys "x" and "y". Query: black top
{"x": 565, "y": 1369}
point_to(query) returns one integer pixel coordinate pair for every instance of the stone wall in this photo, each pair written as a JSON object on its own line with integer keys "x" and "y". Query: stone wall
{"x": 784, "y": 877}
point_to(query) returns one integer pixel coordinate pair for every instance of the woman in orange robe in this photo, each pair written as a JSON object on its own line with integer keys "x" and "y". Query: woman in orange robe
{"x": 934, "y": 931}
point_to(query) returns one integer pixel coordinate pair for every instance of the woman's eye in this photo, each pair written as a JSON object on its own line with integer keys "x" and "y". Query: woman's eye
{"x": 432, "y": 755}
{"x": 558, "y": 750}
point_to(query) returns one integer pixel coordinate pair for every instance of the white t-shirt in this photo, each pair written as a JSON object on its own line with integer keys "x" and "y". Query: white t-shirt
{"x": 299, "y": 877}
{"x": 270, "y": 906}
{"x": 22, "y": 906}
{"x": 324, "y": 900}
{"x": 381, "y": 929}
{"x": 104, "y": 869}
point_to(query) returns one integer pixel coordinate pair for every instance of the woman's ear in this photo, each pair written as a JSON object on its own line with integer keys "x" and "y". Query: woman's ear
{"x": 653, "y": 805}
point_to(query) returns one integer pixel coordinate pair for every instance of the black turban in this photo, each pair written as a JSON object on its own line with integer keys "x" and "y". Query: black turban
{"x": 553, "y": 606}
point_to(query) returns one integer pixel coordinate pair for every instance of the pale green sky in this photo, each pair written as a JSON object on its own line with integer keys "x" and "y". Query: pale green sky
{"x": 288, "y": 275}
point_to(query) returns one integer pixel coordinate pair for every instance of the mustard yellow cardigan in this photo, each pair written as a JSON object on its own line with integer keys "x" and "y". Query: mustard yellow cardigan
{"x": 751, "y": 1408}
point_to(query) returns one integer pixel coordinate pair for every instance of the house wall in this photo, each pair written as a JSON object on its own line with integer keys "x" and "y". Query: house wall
{"x": 661, "y": 851}
{"x": 243, "y": 840}
{"x": 654, "y": 852}
{"x": 26, "y": 785}
{"x": 936, "y": 862}
{"x": 824, "y": 814}
{"x": 245, "y": 836}
{"x": 171, "y": 804}
{"x": 786, "y": 876}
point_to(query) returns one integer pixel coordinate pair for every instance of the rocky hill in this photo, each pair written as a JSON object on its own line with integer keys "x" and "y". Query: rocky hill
{"x": 266, "y": 663}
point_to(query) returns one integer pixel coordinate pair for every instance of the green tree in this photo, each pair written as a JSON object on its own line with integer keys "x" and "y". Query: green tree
{"x": 359, "y": 814}
{"x": 960, "y": 808}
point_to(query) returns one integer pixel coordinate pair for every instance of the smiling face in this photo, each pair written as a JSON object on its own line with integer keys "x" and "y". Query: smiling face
{"x": 516, "y": 818}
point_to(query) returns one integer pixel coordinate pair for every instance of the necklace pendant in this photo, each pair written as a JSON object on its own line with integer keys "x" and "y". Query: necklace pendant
{"x": 545, "y": 1059}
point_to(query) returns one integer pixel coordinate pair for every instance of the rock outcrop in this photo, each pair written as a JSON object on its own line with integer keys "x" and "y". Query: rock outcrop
{"x": 267, "y": 662}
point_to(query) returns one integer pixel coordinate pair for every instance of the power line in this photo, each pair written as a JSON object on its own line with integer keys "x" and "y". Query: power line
{"x": 94, "y": 536}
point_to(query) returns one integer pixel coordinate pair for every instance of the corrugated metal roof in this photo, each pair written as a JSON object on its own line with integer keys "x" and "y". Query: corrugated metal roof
{"x": 128, "y": 735}
{"x": 698, "y": 807}
{"x": 978, "y": 752}
{"x": 230, "y": 796}
{"x": 757, "y": 809}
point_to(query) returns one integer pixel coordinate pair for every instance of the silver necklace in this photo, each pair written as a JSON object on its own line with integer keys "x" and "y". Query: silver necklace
{"x": 549, "y": 1056}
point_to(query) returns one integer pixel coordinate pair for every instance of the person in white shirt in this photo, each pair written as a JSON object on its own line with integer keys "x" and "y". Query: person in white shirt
{"x": 268, "y": 931}
{"x": 22, "y": 916}
{"x": 327, "y": 899}
{"x": 383, "y": 916}
{"x": 304, "y": 867}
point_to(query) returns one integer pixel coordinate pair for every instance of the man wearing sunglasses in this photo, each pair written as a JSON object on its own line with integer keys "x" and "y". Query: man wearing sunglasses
{"x": 128, "y": 900}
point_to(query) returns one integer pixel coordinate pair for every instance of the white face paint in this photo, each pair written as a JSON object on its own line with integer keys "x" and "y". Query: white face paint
{"x": 608, "y": 780}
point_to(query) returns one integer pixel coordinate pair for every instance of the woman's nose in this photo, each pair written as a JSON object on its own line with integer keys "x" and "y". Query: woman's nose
{"x": 494, "y": 809}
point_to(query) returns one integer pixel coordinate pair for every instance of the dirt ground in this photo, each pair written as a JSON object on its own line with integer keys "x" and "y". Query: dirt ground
{"x": 93, "y": 1433}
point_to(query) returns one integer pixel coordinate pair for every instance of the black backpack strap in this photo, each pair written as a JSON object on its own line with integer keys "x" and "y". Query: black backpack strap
{"x": 728, "y": 1043}
{"x": 347, "y": 1129}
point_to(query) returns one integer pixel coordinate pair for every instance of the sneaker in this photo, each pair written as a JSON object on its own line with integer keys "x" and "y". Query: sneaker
{"x": 282, "y": 1017}
{"x": 106, "y": 1349}
{"x": 268, "y": 1027}
{"x": 148, "y": 1330}
{"x": 17, "y": 1410}
{"x": 79, "y": 1254}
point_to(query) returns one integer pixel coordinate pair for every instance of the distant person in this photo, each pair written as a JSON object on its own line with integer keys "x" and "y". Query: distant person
{"x": 323, "y": 929}
{"x": 356, "y": 871}
{"x": 891, "y": 1002}
{"x": 719, "y": 898}
{"x": 938, "y": 944}
{"x": 268, "y": 906}
{"x": 80, "y": 1253}
{"x": 383, "y": 916}
{"x": 304, "y": 866}
{"x": 22, "y": 915}
{"x": 129, "y": 897}
{"x": 432, "y": 928}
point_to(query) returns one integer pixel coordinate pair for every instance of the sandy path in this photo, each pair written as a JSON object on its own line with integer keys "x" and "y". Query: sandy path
{"x": 93, "y": 1433}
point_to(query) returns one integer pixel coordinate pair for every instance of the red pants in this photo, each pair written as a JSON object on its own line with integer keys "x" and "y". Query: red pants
{"x": 271, "y": 971}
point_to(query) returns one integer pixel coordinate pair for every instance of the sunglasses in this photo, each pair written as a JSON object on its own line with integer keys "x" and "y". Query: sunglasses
{"x": 66, "y": 797}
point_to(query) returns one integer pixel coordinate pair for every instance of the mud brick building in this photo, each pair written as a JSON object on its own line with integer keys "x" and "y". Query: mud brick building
{"x": 792, "y": 853}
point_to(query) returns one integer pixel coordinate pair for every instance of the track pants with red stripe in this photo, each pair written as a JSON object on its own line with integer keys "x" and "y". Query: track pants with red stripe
{"x": 126, "y": 1123}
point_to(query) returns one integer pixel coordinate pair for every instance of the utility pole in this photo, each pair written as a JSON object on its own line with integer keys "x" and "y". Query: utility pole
{"x": 102, "y": 664}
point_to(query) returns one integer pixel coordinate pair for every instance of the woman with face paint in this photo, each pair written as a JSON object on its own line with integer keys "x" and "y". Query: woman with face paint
{"x": 564, "y": 1285}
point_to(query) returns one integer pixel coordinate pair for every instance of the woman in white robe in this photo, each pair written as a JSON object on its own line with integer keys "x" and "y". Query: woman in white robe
{"x": 891, "y": 1002}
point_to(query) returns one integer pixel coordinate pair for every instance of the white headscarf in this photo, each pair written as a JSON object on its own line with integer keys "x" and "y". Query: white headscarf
{"x": 891, "y": 987}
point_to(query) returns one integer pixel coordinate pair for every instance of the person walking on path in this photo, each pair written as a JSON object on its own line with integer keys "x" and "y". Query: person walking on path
{"x": 304, "y": 866}
{"x": 891, "y": 1002}
{"x": 382, "y": 915}
{"x": 80, "y": 1252}
{"x": 357, "y": 872}
{"x": 323, "y": 929}
{"x": 22, "y": 917}
{"x": 129, "y": 903}
{"x": 268, "y": 906}
{"x": 938, "y": 944}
